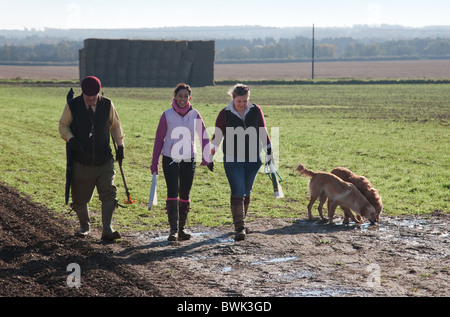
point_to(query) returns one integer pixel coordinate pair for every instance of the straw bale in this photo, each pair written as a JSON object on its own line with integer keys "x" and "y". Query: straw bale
{"x": 169, "y": 45}
{"x": 202, "y": 45}
{"x": 182, "y": 45}
{"x": 90, "y": 43}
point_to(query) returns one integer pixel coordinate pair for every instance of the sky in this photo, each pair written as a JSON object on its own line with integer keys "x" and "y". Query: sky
{"x": 107, "y": 14}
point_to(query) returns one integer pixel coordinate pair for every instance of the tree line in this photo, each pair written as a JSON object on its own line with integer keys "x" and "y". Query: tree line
{"x": 331, "y": 48}
{"x": 256, "y": 49}
{"x": 59, "y": 52}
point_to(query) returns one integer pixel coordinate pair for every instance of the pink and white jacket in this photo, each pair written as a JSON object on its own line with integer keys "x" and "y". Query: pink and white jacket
{"x": 175, "y": 136}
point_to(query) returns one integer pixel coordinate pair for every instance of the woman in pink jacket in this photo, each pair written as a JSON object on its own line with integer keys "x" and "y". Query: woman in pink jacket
{"x": 175, "y": 140}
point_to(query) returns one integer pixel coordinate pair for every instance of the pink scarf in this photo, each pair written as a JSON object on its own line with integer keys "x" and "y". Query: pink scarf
{"x": 181, "y": 111}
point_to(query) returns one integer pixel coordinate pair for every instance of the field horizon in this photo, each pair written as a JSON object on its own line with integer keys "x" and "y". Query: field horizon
{"x": 413, "y": 69}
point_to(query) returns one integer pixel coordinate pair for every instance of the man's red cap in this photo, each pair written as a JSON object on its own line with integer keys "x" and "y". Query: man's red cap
{"x": 91, "y": 86}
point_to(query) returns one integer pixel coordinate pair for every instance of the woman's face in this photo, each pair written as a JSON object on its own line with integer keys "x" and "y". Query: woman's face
{"x": 182, "y": 98}
{"x": 240, "y": 102}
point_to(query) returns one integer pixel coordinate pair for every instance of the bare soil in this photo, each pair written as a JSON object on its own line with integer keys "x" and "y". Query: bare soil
{"x": 418, "y": 69}
{"x": 401, "y": 256}
{"x": 39, "y": 72}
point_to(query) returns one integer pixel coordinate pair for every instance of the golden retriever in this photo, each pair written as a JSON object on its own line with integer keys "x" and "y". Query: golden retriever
{"x": 363, "y": 185}
{"x": 338, "y": 192}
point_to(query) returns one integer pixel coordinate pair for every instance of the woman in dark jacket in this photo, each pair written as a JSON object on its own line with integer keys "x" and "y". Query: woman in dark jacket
{"x": 241, "y": 126}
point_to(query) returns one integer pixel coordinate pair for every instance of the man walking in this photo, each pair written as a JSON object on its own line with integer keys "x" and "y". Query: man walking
{"x": 87, "y": 123}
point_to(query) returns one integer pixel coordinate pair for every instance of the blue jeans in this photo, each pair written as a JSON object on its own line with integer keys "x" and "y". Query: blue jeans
{"x": 241, "y": 176}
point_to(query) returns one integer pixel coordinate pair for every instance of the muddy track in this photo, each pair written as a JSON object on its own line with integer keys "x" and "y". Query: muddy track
{"x": 402, "y": 256}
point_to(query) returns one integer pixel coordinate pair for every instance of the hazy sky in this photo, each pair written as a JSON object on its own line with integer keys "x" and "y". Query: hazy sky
{"x": 89, "y": 14}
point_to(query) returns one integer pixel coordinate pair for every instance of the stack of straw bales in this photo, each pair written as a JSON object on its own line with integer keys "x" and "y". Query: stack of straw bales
{"x": 141, "y": 63}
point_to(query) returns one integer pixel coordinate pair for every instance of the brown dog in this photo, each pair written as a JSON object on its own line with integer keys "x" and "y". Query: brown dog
{"x": 363, "y": 185}
{"x": 338, "y": 192}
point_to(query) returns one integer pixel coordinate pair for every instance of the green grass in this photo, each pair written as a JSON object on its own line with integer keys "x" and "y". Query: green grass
{"x": 396, "y": 135}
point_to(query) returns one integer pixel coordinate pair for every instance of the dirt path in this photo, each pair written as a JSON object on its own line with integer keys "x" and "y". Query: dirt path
{"x": 403, "y": 256}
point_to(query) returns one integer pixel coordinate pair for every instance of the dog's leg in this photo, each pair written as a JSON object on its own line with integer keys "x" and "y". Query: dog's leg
{"x": 314, "y": 195}
{"x": 311, "y": 203}
{"x": 323, "y": 199}
{"x": 348, "y": 215}
{"x": 331, "y": 209}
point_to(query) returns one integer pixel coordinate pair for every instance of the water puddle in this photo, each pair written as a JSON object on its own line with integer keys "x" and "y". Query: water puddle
{"x": 293, "y": 276}
{"x": 228, "y": 269}
{"x": 369, "y": 227}
{"x": 211, "y": 237}
{"x": 327, "y": 292}
{"x": 208, "y": 237}
{"x": 275, "y": 260}
{"x": 409, "y": 223}
{"x": 388, "y": 224}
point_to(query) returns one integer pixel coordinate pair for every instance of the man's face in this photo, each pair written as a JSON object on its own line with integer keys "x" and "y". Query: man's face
{"x": 90, "y": 100}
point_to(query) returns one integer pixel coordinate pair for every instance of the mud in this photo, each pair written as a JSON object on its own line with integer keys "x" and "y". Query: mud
{"x": 401, "y": 256}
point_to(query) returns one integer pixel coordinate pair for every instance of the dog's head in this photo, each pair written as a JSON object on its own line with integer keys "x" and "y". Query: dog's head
{"x": 369, "y": 212}
{"x": 300, "y": 168}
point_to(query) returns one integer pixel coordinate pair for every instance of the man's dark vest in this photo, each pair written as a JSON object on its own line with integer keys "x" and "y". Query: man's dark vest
{"x": 250, "y": 125}
{"x": 95, "y": 138}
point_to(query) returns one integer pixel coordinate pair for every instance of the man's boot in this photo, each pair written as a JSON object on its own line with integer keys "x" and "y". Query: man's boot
{"x": 82, "y": 212}
{"x": 183, "y": 210}
{"x": 238, "y": 213}
{"x": 108, "y": 209}
{"x": 172, "y": 215}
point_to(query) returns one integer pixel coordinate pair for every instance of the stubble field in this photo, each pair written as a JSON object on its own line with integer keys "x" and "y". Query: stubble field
{"x": 418, "y": 69}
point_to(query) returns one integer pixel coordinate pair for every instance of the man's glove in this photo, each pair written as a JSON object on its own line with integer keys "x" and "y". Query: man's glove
{"x": 76, "y": 145}
{"x": 119, "y": 154}
{"x": 70, "y": 95}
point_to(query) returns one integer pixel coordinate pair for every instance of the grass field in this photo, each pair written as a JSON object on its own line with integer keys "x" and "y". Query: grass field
{"x": 396, "y": 135}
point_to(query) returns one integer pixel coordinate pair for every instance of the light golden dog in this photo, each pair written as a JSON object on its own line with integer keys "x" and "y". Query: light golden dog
{"x": 325, "y": 186}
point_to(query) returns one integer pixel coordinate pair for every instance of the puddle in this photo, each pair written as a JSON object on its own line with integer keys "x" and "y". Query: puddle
{"x": 389, "y": 224}
{"x": 228, "y": 269}
{"x": 409, "y": 223}
{"x": 211, "y": 237}
{"x": 325, "y": 292}
{"x": 369, "y": 227}
{"x": 293, "y": 276}
{"x": 276, "y": 260}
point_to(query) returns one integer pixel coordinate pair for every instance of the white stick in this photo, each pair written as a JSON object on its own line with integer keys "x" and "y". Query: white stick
{"x": 153, "y": 199}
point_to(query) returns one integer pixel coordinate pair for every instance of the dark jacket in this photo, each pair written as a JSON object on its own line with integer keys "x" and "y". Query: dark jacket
{"x": 247, "y": 135}
{"x": 95, "y": 135}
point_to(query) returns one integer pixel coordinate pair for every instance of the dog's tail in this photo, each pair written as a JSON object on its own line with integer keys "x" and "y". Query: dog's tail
{"x": 304, "y": 171}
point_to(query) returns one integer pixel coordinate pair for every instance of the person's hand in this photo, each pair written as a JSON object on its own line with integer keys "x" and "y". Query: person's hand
{"x": 210, "y": 166}
{"x": 120, "y": 154}
{"x": 269, "y": 156}
{"x": 76, "y": 145}
{"x": 154, "y": 168}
